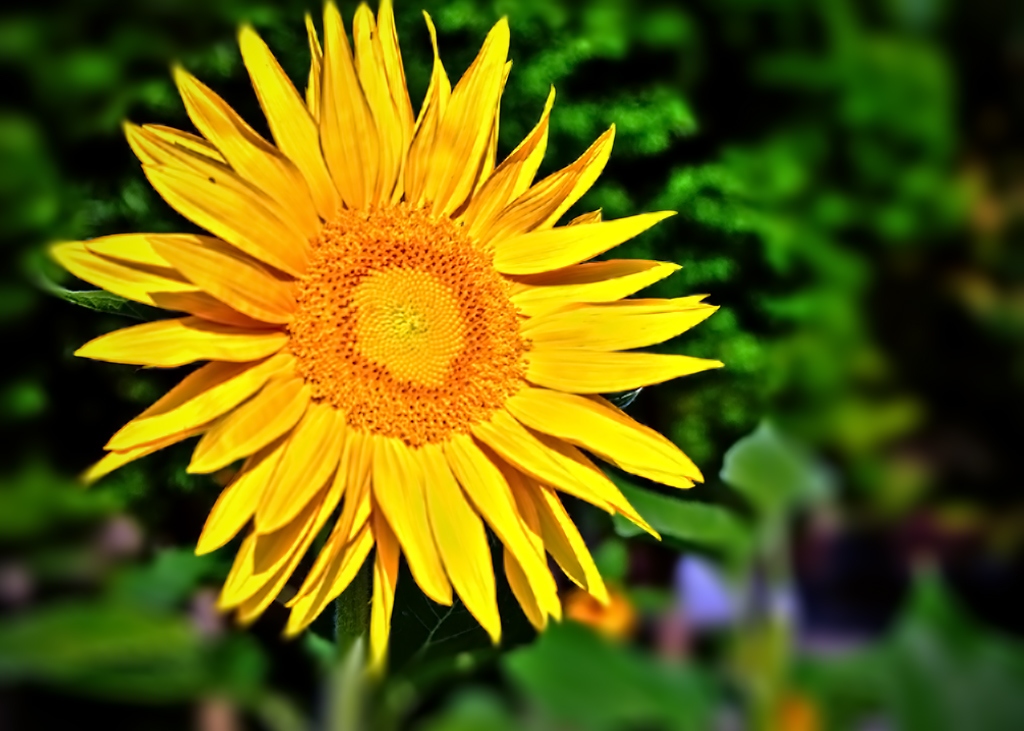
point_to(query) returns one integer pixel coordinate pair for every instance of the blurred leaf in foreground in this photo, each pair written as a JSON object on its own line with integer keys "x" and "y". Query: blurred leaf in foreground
{"x": 938, "y": 670}
{"x": 104, "y": 649}
{"x": 167, "y": 581}
{"x": 578, "y": 677}
{"x": 35, "y": 500}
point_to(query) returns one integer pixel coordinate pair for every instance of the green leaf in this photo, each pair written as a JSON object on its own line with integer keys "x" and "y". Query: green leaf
{"x": 35, "y": 500}
{"x": 105, "y": 649}
{"x": 938, "y": 670}
{"x": 584, "y": 681}
{"x": 947, "y": 672}
{"x": 612, "y": 559}
{"x": 708, "y": 526}
{"x": 473, "y": 709}
{"x": 167, "y": 581}
{"x": 237, "y": 667}
{"x": 774, "y": 473}
{"x": 321, "y": 650}
{"x": 99, "y": 300}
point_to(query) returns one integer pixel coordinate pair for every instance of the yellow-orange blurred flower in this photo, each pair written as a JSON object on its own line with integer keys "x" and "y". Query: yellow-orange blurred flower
{"x": 797, "y": 712}
{"x": 616, "y": 619}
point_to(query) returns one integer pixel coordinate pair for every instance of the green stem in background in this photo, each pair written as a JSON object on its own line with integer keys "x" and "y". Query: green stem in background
{"x": 346, "y": 685}
{"x": 352, "y": 611}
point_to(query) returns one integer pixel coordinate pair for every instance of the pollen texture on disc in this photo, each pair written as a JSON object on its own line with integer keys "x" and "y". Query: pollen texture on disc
{"x": 405, "y": 326}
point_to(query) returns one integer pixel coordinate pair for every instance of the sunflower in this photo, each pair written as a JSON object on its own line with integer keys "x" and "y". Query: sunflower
{"x": 399, "y": 341}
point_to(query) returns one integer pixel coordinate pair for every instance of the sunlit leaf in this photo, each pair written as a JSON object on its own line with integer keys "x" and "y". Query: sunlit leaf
{"x": 773, "y": 472}
{"x": 581, "y": 679}
{"x": 702, "y": 524}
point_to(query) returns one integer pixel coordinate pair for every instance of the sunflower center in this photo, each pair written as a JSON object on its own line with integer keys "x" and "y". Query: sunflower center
{"x": 409, "y": 322}
{"x": 405, "y": 326}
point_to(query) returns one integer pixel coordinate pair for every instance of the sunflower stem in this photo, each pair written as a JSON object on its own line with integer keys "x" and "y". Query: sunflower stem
{"x": 352, "y": 611}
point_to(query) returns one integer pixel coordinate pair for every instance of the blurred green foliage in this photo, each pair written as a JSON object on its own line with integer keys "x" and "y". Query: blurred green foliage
{"x": 815, "y": 152}
{"x": 937, "y": 669}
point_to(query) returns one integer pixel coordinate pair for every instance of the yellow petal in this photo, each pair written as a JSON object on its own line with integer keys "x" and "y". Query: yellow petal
{"x": 490, "y": 156}
{"x": 511, "y": 178}
{"x": 231, "y": 276}
{"x": 614, "y": 326}
{"x": 272, "y": 558}
{"x": 541, "y": 251}
{"x": 157, "y": 286}
{"x": 489, "y": 493}
{"x": 527, "y": 508}
{"x": 223, "y": 188}
{"x": 592, "y": 217}
{"x": 252, "y": 157}
{"x": 596, "y": 281}
{"x": 116, "y": 460}
{"x": 255, "y": 604}
{"x": 348, "y": 134}
{"x": 203, "y": 305}
{"x": 591, "y": 484}
{"x": 520, "y": 585}
{"x": 238, "y": 501}
{"x": 260, "y": 583}
{"x": 316, "y": 63}
{"x": 142, "y": 147}
{"x": 134, "y": 282}
{"x": 398, "y": 488}
{"x": 369, "y": 63}
{"x": 463, "y": 134}
{"x": 552, "y": 464}
{"x": 259, "y": 421}
{"x": 581, "y": 175}
{"x": 171, "y": 343}
{"x": 240, "y": 575}
{"x": 605, "y": 431}
{"x": 432, "y": 111}
{"x": 385, "y": 579}
{"x": 355, "y": 512}
{"x": 566, "y": 545}
{"x": 355, "y": 471}
{"x": 310, "y": 458}
{"x": 202, "y": 396}
{"x": 133, "y": 248}
{"x": 461, "y": 541}
{"x": 235, "y": 211}
{"x": 293, "y": 126}
{"x": 273, "y": 549}
{"x": 395, "y": 72}
{"x": 353, "y": 477}
{"x": 582, "y": 371}
{"x": 344, "y": 566}
{"x": 516, "y": 445}
{"x": 544, "y": 203}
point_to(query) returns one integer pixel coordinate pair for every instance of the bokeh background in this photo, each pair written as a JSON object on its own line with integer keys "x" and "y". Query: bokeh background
{"x": 850, "y": 179}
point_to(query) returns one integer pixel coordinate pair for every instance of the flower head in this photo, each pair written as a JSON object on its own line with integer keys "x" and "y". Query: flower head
{"x": 400, "y": 342}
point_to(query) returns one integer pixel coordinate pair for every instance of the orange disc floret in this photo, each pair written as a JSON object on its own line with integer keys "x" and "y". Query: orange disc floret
{"x": 404, "y": 325}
